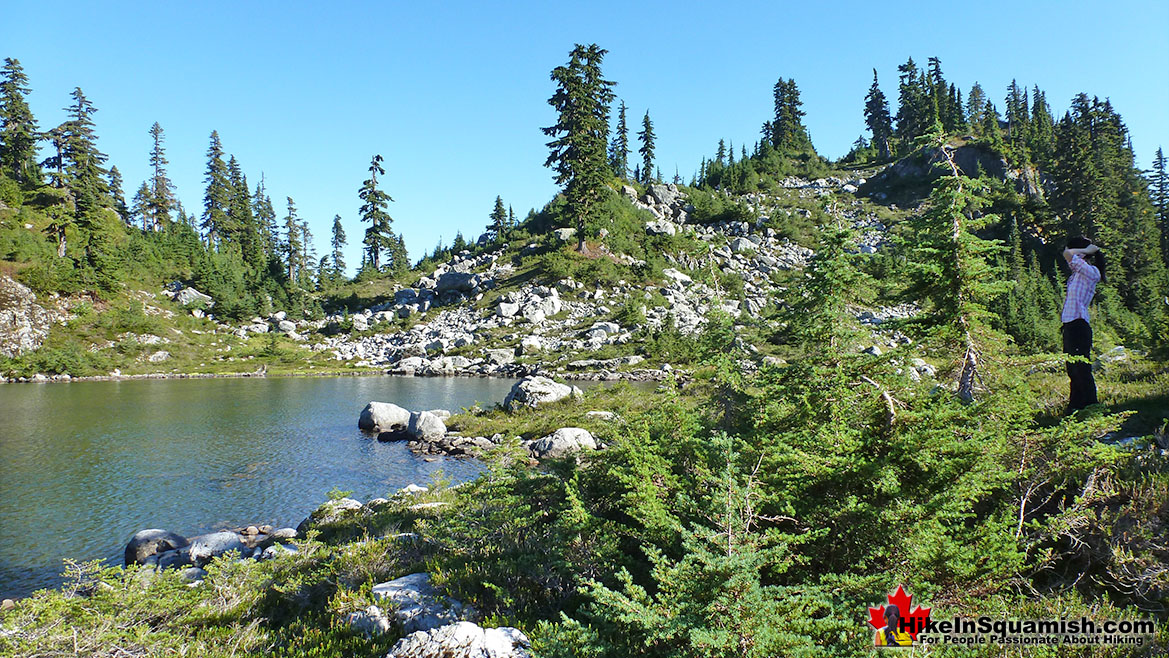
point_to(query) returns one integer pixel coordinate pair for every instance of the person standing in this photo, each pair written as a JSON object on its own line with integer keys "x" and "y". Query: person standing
{"x": 1077, "y": 328}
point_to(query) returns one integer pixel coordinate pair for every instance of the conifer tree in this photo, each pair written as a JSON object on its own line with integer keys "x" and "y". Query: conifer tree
{"x": 84, "y": 174}
{"x": 293, "y": 247}
{"x": 141, "y": 206}
{"x": 990, "y": 128}
{"x": 581, "y": 136}
{"x": 338, "y": 244}
{"x": 914, "y": 103}
{"x": 788, "y": 131}
{"x": 217, "y": 195}
{"x": 619, "y": 150}
{"x": 646, "y": 135}
{"x": 18, "y": 128}
{"x": 265, "y": 216}
{"x": 246, "y": 230}
{"x": 1041, "y": 131}
{"x": 877, "y": 118}
{"x": 374, "y": 210}
{"x": 952, "y": 268}
{"x": 939, "y": 93}
{"x": 510, "y": 219}
{"x": 976, "y": 108}
{"x": 497, "y": 225}
{"x": 162, "y": 195}
{"x": 118, "y": 196}
{"x": 1160, "y": 198}
{"x": 397, "y": 258}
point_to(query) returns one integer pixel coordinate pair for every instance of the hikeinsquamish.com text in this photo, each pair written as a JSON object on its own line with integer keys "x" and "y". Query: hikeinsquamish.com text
{"x": 983, "y": 631}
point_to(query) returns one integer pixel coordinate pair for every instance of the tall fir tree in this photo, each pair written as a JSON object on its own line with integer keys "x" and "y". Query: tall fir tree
{"x": 914, "y": 106}
{"x": 877, "y": 118}
{"x": 217, "y": 194}
{"x": 118, "y": 195}
{"x": 293, "y": 246}
{"x": 84, "y": 174}
{"x": 374, "y": 211}
{"x": 976, "y": 108}
{"x": 787, "y": 127}
{"x": 646, "y": 135}
{"x": 338, "y": 244}
{"x": 497, "y": 222}
{"x": 619, "y": 149}
{"x": 580, "y": 137}
{"x": 18, "y": 129}
{"x": 265, "y": 215}
{"x": 162, "y": 196}
{"x": 1160, "y": 197}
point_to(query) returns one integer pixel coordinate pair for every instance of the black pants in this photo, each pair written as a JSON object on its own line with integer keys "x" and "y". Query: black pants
{"x": 1077, "y": 341}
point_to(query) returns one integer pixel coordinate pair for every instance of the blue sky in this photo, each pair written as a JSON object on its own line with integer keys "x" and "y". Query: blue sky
{"x": 453, "y": 94}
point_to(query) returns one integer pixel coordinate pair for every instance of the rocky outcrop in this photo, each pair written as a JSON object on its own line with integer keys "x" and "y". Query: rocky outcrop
{"x": 532, "y": 392}
{"x": 24, "y": 324}
{"x": 162, "y": 549}
{"x": 332, "y": 511}
{"x": 971, "y": 159}
{"x": 383, "y": 417}
{"x": 463, "y": 640}
{"x": 417, "y": 605}
{"x": 146, "y": 543}
{"x": 561, "y": 443}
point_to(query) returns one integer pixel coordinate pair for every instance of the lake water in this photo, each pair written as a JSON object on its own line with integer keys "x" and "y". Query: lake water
{"x": 85, "y": 465}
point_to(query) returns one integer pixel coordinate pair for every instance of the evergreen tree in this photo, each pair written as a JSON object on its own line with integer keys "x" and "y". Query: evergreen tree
{"x": 952, "y": 269}
{"x": 118, "y": 196}
{"x": 397, "y": 258}
{"x": 18, "y": 128}
{"x": 646, "y": 135}
{"x": 497, "y": 225}
{"x": 162, "y": 195}
{"x": 787, "y": 128}
{"x": 265, "y": 216}
{"x": 877, "y": 118}
{"x": 293, "y": 247}
{"x": 338, "y": 244}
{"x": 990, "y": 128}
{"x": 140, "y": 208}
{"x": 1160, "y": 198}
{"x": 246, "y": 232}
{"x": 1041, "y": 131}
{"x": 939, "y": 94}
{"x": 510, "y": 219}
{"x": 581, "y": 136}
{"x": 914, "y": 111}
{"x": 217, "y": 195}
{"x": 976, "y": 108}
{"x": 374, "y": 210}
{"x": 619, "y": 150}
{"x": 84, "y": 174}
{"x": 308, "y": 255}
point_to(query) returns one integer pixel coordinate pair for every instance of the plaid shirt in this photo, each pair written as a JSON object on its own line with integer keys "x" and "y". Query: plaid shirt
{"x": 1081, "y": 288}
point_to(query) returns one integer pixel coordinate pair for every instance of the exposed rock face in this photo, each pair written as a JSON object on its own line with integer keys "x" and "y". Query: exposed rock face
{"x": 463, "y": 640}
{"x": 535, "y": 391}
{"x": 561, "y": 443}
{"x": 152, "y": 542}
{"x": 205, "y": 547}
{"x": 331, "y": 512}
{"x": 192, "y": 296}
{"x": 383, "y": 417}
{"x": 24, "y": 324}
{"x": 425, "y": 426}
{"x": 931, "y": 165}
{"x": 417, "y": 605}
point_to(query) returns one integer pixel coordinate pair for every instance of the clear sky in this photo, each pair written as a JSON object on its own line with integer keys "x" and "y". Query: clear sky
{"x": 453, "y": 94}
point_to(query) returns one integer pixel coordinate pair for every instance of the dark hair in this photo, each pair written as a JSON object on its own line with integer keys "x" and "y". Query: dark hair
{"x": 1097, "y": 259}
{"x": 892, "y": 616}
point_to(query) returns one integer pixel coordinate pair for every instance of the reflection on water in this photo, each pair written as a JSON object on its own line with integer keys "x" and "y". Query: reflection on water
{"x": 83, "y": 466}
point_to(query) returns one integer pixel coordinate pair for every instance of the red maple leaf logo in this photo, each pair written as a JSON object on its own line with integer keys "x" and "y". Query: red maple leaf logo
{"x": 912, "y": 622}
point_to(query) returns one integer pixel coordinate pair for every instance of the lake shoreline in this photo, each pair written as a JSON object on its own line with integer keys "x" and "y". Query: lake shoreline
{"x": 636, "y": 376}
